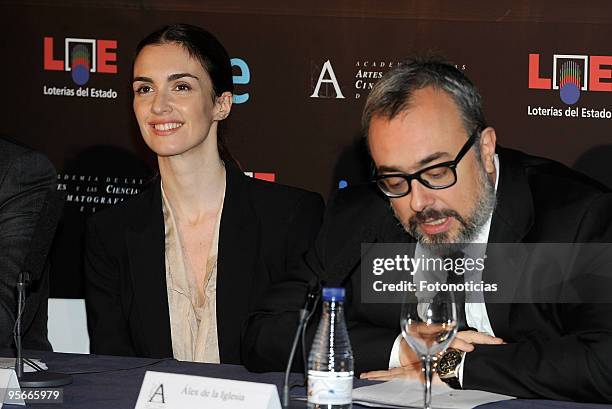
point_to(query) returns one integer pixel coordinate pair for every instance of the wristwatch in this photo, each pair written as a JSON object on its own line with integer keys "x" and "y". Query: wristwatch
{"x": 447, "y": 367}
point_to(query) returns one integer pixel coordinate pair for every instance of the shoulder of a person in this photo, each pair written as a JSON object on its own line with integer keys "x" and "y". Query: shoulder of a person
{"x": 365, "y": 197}
{"x": 555, "y": 183}
{"x": 273, "y": 194}
{"x": 553, "y": 176}
{"x": 10, "y": 148}
{"x": 119, "y": 215}
{"x": 15, "y": 154}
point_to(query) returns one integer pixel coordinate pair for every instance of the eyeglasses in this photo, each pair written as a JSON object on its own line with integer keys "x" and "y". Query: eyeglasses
{"x": 439, "y": 176}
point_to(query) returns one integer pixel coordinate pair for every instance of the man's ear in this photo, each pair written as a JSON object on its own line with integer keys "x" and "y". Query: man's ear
{"x": 488, "y": 140}
{"x": 223, "y": 106}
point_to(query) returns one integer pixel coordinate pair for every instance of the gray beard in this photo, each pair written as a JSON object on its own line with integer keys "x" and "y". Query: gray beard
{"x": 470, "y": 227}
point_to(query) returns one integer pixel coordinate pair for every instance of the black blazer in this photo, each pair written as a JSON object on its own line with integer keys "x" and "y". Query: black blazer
{"x": 26, "y": 177}
{"x": 555, "y": 351}
{"x": 265, "y": 229}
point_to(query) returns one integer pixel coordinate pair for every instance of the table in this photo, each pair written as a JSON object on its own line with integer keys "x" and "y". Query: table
{"x": 118, "y": 387}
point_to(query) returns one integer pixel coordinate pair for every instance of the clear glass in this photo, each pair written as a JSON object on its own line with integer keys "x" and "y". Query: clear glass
{"x": 429, "y": 326}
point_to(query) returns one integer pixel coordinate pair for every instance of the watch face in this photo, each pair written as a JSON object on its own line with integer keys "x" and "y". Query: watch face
{"x": 449, "y": 362}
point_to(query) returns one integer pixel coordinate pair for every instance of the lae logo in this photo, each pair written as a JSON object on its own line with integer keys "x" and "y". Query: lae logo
{"x": 82, "y": 56}
{"x": 573, "y": 74}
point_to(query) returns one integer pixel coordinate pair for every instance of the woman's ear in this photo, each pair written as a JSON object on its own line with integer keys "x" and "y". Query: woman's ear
{"x": 223, "y": 106}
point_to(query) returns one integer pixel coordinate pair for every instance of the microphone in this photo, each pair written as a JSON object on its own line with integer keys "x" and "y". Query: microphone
{"x": 34, "y": 270}
{"x": 312, "y": 299}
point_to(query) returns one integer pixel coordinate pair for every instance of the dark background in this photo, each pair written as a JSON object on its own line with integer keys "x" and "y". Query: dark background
{"x": 314, "y": 143}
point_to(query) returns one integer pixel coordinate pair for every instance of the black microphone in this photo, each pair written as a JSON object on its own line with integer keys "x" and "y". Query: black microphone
{"x": 310, "y": 305}
{"x": 33, "y": 270}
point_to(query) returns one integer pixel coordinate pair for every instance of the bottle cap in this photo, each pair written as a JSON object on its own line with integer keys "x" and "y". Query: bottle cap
{"x": 333, "y": 294}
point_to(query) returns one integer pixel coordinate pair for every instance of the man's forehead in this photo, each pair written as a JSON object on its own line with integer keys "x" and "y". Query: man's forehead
{"x": 415, "y": 162}
{"x": 412, "y": 139}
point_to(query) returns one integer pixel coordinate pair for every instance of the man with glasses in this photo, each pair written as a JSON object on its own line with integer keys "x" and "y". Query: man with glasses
{"x": 440, "y": 178}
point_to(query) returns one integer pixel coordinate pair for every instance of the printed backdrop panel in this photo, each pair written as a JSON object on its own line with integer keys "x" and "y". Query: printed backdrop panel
{"x": 301, "y": 83}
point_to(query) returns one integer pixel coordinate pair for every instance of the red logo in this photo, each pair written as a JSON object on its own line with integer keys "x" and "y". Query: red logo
{"x": 81, "y": 56}
{"x": 572, "y": 74}
{"x": 270, "y": 177}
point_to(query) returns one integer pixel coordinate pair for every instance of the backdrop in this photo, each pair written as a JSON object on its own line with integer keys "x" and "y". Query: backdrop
{"x": 302, "y": 75}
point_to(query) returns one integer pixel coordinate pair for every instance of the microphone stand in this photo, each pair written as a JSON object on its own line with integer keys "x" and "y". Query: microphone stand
{"x": 21, "y": 285}
{"x": 39, "y": 379}
{"x": 305, "y": 313}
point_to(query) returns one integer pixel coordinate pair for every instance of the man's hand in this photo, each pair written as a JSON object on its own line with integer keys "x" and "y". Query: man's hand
{"x": 402, "y": 372}
{"x": 411, "y": 364}
{"x": 465, "y": 340}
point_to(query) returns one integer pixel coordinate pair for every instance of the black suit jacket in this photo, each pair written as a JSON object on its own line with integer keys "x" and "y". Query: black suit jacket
{"x": 265, "y": 229}
{"x": 556, "y": 351}
{"x": 26, "y": 177}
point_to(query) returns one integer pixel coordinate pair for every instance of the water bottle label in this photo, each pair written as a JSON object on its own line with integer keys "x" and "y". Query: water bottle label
{"x": 330, "y": 388}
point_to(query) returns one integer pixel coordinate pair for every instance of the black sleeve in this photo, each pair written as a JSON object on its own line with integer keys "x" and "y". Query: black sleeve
{"x": 576, "y": 366}
{"x": 270, "y": 328}
{"x": 107, "y": 324}
{"x": 23, "y": 191}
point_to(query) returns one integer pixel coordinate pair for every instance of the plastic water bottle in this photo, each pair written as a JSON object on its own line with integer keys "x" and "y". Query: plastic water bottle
{"x": 330, "y": 364}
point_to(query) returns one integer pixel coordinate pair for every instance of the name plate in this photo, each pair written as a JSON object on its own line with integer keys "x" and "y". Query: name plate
{"x": 162, "y": 390}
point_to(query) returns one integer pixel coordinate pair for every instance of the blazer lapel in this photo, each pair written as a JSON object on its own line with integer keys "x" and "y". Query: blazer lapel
{"x": 513, "y": 214}
{"x": 512, "y": 220}
{"x": 239, "y": 239}
{"x": 146, "y": 255}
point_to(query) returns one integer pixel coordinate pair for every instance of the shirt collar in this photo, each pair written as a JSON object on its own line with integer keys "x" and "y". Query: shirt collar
{"x": 483, "y": 234}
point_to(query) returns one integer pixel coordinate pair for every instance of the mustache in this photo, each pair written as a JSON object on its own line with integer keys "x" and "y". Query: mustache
{"x": 433, "y": 214}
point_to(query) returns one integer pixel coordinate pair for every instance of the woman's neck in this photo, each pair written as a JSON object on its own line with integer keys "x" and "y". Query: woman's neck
{"x": 194, "y": 183}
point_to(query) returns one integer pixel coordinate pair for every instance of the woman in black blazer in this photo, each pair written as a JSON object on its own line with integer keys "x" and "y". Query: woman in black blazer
{"x": 245, "y": 233}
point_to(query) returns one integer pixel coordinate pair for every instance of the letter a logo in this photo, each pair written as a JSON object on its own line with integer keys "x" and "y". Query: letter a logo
{"x": 158, "y": 395}
{"x": 327, "y": 76}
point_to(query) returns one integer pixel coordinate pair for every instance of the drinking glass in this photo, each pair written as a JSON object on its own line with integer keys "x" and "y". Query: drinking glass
{"x": 429, "y": 325}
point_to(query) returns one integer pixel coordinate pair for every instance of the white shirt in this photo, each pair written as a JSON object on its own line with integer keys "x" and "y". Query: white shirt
{"x": 475, "y": 313}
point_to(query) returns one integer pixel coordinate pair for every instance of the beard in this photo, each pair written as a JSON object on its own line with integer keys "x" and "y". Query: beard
{"x": 469, "y": 226}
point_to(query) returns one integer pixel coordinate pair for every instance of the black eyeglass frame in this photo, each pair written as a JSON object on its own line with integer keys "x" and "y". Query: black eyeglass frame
{"x": 408, "y": 177}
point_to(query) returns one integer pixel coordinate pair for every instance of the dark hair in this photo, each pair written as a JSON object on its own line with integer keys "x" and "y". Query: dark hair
{"x": 204, "y": 47}
{"x": 393, "y": 93}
